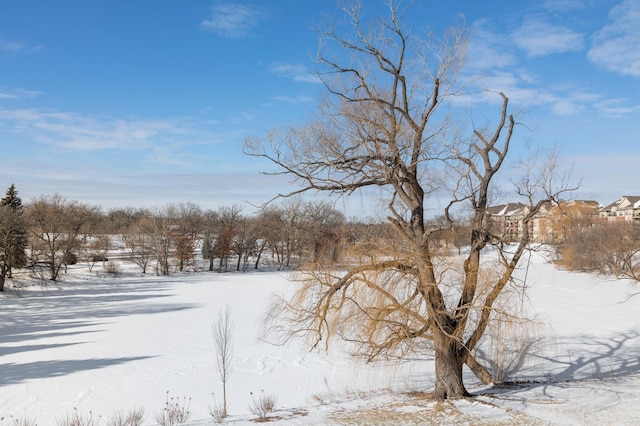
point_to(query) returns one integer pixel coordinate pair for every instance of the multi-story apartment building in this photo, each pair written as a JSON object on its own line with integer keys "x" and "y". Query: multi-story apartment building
{"x": 625, "y": 209}
{"x": 556, "y": 222}
{"x": 507, "y": 220}
{"x": 552, "y": 224}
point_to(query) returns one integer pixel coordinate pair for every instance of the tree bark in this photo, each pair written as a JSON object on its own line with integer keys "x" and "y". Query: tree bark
{"x": 449, "y": 362}
{"x": 479, "y": 370}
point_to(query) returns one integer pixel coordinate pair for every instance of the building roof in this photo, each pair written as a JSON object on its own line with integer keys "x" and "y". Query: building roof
{"x": 508, "y": 209}
{"x": 626, "y": 201}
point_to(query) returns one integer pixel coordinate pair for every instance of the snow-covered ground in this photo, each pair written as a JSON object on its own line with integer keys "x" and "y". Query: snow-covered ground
{"x": 103, "y": 344}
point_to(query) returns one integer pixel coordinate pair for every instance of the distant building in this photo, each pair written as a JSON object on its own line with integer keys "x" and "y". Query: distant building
{"x": 556, "y": 222}
{"x": 552, "y": 224}
{"x": 507, "y": 220}
{"x": 626, "y": 209}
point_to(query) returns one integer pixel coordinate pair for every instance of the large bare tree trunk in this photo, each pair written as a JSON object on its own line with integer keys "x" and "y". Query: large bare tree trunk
{"x": 449, "y": 363}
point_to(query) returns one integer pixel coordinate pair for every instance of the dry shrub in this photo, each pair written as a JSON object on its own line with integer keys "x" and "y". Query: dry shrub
{"x": 217, "y": 413}
{"x": 112, "y": 269}
{"x": 134, "y": 417}
{"x": 263, "y": 405}
{"x": 174, "y": 412}
{"x": 12, "y": 421}
{"x": 77, "y": 419}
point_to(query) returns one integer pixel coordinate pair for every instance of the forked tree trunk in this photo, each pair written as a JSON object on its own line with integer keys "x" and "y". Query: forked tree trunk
{"x": 449, "y": 362}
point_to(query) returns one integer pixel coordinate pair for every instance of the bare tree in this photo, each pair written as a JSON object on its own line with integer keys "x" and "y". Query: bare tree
{"x": 121, "y": 221}
{"x": 58, "y": 224}
{"x": 227, "y": 229}
{"x": 242, "y": 241}
{"x": 96, "y": 250}
{"x": 322, "y": 224}
{"x": 257, "y": 241}
{"x": 139, "y": 240}
{"x": 185, "y": 233}
{"x": 383, "y": 125}
{"x": 159, "y": 226}
{"x": 223, "y": 340}
{"x": 282, "y": 225}
{"x": 209, "y": 226}
{"x": 249, "y": 242}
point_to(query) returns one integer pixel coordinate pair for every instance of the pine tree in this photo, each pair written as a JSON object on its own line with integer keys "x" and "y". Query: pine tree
{"x": 13, "y": 235}
{"x": 11, "y": 199}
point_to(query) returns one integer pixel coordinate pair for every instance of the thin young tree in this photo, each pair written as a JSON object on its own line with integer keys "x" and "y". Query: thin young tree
{"x": 387, "y": 122}
{"x": 223, "y": 340}
{"x": 159, "y": 225}
{"x": 139, "y": 240}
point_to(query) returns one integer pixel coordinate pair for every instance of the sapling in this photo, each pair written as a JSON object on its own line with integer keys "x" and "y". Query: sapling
{"x": 223, "y": 340}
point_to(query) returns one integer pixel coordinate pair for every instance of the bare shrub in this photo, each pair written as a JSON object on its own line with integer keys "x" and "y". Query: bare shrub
{"x": 175, "y": 411}
{"x": 263, "y": 405}
{"x": 217, "y": 411}
{"x": 608, "y": 248}
{"x": 112, "y": 269}
{"x": 134, "y": 417}
{"x": 12, "y": 421}
{"x": 77, "y": 419}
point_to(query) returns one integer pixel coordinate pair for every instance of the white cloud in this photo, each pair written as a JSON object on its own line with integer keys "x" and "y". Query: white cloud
{"x": 487, "y": 50}
{"x": 233, "y": 20}
{"x": 615, "y": 47}
{"x": 11, "y": 46}
{"x": 616, "y": 108}
{"x": 76, "y": 132}
{"x": 293, "y": 100}
{"x": 18, "y": 94}
{"x": 295, "y": 71}
{"x": 494, "y": 67}
{"x": 540, "y": 38}
{"x": 563, "y": 101}
{"x": 565, "y": 5}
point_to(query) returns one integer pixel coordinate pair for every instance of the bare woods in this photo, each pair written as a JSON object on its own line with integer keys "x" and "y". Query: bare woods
{"x": 52, "y": 232}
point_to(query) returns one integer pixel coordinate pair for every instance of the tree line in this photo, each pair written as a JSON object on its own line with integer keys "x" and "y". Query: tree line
{"x": 52, "y": 232}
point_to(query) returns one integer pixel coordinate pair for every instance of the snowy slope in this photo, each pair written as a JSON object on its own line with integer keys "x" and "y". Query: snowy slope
{"x": 105, "y": 344}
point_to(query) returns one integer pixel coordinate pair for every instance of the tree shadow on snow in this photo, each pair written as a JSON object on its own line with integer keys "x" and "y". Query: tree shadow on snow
{"x": 13, "y": 373}
{"x": 579, "y": 359}
{"x": 62, "y": 318}
{"x": 29, "y": 348}
{"x": 67, "y": 312}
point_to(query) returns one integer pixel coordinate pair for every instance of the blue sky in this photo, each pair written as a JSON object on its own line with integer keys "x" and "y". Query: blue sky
{"x": 141, "y": 103}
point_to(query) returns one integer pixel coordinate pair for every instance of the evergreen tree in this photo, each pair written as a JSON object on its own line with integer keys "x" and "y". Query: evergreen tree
{"x": 11, "y": 199}
{"x": 13, "y": 235}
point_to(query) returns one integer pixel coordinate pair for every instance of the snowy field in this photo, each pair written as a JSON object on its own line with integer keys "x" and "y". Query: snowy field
{"x": 103, "y": 345}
